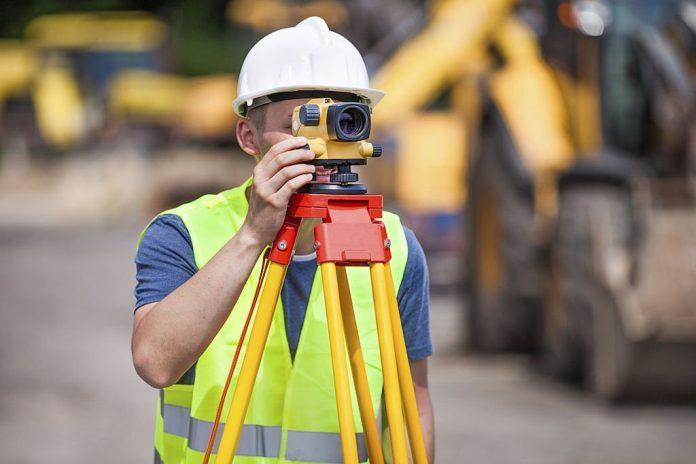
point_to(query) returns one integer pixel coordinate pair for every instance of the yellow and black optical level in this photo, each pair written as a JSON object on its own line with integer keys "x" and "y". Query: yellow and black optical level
{"x": 335, "y": 131}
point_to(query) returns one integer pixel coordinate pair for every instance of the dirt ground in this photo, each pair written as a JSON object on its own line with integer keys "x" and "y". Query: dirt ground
{"x": 68, "y": 392}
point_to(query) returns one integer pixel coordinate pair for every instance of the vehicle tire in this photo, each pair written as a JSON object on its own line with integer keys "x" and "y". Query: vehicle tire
{"x": 583, "y": 334}
{"x": 19, "y": 128}
{"x": 502, "y": 258}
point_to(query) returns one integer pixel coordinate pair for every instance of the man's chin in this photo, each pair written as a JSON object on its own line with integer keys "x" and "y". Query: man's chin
{"x": 323, "y": 175}
{"x": 323, "y": 179}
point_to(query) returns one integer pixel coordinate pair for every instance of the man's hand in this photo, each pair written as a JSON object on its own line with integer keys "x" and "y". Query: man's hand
{"x": 279, "y": 174}
{"x": 169, "y": 336}
{"x": 419, "y": 373}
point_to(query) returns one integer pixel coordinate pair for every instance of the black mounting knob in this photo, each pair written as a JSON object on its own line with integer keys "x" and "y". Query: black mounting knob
{"x": 344, "y": 177}
{"x": 310, "y": 115}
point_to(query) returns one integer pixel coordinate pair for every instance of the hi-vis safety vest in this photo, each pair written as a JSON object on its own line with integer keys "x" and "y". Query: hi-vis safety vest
{"x": 292, "y": 413}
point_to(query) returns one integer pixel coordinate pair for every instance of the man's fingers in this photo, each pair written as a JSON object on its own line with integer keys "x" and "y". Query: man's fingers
{"x": 291, "y": 157}
{"x": 286, "y": 174}
{"x": 291, "y": 187}
{"x": 288, "y": 144}
{"x": 273, "y": 166}
{"x": 288, "y": 151}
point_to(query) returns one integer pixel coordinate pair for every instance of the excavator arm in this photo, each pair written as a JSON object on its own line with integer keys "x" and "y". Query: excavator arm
{"x": 436, "y": 57}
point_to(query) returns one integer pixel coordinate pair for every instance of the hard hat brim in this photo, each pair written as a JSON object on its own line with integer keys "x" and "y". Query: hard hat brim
{"x": 371, "y": 96}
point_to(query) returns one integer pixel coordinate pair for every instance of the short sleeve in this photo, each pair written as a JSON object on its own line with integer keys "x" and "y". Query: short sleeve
{"x": 414, "y": 301}
{"x": 164, "y": 259}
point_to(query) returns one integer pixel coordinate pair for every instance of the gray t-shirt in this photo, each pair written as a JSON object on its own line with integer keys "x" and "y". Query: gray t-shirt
{"x": 165, "y": 260}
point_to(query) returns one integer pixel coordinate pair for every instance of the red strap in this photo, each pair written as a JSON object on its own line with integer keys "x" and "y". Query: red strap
{"x": 216, "y": 423}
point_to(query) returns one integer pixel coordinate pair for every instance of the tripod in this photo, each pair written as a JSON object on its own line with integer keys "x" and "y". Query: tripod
{"x": 349, "y": 235}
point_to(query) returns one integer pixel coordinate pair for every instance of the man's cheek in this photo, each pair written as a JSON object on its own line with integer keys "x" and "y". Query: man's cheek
{"x": 266, "y": 143}
{"x": 271, "y": 138}
{"x": 265, "y": 146}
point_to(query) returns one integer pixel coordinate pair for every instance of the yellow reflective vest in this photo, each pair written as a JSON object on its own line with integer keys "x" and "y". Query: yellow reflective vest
{"x": 292, "y": 415}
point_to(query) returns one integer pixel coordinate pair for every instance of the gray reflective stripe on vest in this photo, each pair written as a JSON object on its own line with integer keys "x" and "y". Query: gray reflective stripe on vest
{"x": 158, "y": 459}
{"x": 260, "y": 440}
{"x": 255, "y": 440}
{"x": 175, "y": 420}
{"x": 320, "y": 447}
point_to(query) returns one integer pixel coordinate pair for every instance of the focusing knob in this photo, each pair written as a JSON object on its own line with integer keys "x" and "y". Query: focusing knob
{"x": 376, "y": 150}
{"x": 310, "y": 115}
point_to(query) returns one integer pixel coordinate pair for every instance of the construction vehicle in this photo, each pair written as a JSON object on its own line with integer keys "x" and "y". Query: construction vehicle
{"x": 270, "y": 15}
{"x": 580, "y": 203}
{"x": 66, "y": 62}
{"x": 575, "y": 165}
{"x": 431, "y": 94}
{"x": 79, "y": 77}
{"x": 167, "y": 106}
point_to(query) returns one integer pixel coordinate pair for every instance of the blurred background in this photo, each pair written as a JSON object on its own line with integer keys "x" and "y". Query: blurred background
{"x": 543, "y": 151}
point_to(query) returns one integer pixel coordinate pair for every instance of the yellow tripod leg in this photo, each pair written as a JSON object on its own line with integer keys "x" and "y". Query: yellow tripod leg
{"x": 389, "y": 368}
{"x": 357, "y": 364}
{"x": 250, "y": 365}
{"x": 338, "y": 361}
{"x": 408, "y": 395}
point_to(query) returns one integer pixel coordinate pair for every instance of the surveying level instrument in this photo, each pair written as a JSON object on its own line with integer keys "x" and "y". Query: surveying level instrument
{"x": 350, "y": 234}
{"x": 336, "y": 133}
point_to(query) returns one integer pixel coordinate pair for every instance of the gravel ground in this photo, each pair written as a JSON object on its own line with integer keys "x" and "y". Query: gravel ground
{"x": 68, "y": 392}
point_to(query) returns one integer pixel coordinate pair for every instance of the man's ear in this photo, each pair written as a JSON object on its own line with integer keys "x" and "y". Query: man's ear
{"x": 248, "y": 138}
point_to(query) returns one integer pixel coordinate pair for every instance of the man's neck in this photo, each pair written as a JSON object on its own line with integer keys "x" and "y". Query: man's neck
{"x": 304, "y": 244}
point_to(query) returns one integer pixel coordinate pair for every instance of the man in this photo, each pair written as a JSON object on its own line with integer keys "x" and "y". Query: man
{"x": 197, "y": 267}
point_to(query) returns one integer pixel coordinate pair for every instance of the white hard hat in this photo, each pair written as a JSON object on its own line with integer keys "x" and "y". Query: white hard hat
{"x": 307, "y": 57}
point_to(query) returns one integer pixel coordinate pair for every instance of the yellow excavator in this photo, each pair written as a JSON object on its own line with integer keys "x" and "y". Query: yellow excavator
{"x": 54, "y": 79}
{"x": 189, "y": 108}
{"x": 580, "y": 202}
{"x": 567, "y": 127}
{"x": 76, "y": 77}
